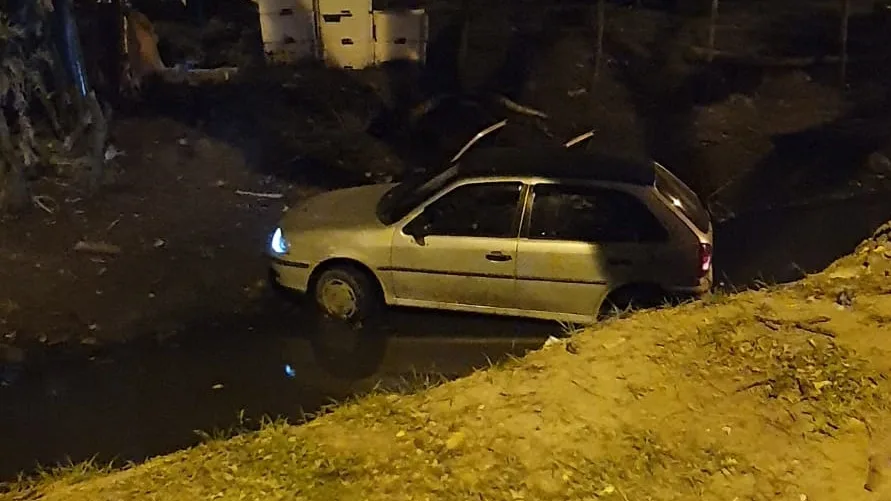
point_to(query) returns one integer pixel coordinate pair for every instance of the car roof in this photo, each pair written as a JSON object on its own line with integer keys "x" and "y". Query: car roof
{"x": 557, "y": 162}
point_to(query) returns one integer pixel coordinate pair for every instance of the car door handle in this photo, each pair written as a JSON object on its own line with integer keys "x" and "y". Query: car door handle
{"x": 498, "y": 256}
{"x": 619, "y": 262}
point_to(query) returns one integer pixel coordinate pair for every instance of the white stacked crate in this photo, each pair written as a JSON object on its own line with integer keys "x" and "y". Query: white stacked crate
{"x": 343, "y": 33}
{"x": 288, "y": 29}
{"x": 346, "y": 33}
{"x": 400, "y": 35}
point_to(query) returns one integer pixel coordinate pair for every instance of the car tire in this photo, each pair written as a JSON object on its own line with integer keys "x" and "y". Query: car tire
{"x": 629, "y": 298}
{"x": 347, "y": 294}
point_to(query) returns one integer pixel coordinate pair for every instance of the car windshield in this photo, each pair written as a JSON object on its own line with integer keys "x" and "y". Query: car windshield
{"x": 682, "y": 197}
{"x": 407, "y": 195}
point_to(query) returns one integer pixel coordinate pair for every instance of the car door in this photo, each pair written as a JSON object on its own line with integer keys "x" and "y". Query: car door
{"x": 578, "y": 242}
{"x": 467, "y": 255}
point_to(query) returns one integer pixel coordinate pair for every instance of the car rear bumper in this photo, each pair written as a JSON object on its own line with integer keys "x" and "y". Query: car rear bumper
{"x": 693, "y": 291}
{"x": 290, "y": 275}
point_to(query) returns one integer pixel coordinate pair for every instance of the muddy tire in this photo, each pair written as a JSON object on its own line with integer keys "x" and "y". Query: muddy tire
{"x": 630, "y": 298}
{"x": 347, "y": 294}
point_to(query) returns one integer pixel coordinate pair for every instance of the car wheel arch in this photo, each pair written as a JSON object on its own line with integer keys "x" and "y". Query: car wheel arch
{"x": 334, "y": 262}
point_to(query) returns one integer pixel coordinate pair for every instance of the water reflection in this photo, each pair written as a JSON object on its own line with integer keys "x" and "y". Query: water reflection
{"x": 149, "y": 398}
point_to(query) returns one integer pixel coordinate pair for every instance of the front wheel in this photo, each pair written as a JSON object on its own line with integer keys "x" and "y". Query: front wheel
{"x": 347, "y": 294}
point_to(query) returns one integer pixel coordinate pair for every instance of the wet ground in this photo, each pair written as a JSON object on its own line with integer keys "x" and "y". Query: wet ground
{"x": 148, "y": 398}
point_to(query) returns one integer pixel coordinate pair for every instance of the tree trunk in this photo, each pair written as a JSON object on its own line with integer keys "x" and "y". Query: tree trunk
{"x": 601, "y": 25}
{"x": 713, "y": 21}
{"x": 197, "y": 12}
{"x": 843, "y": 43}
{"x": 109, "y": 43}
{"x": 13, "y": 189}
{"x": 464, "y": 40}
{"x": 68, "y": 43}
{"x": 98, "y": 138}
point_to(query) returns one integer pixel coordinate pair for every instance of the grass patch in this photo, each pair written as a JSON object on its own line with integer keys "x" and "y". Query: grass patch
{"x": 412, "y": 383}
{"x": 242, "y": 425}
{"x": 67, "y": 473}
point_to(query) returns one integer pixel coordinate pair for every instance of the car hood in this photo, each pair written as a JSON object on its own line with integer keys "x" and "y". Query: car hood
{"x": 339, "y": 209}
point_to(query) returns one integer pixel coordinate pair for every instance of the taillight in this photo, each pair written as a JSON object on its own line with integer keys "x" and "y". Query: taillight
{"x": 705, "y": 259}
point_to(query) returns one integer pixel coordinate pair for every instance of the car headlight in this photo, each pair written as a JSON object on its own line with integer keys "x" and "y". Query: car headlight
{"x": 278, "y": 244}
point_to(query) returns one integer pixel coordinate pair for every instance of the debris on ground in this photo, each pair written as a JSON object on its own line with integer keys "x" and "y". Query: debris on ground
{"x": 274, "y": 196}
{"x": 96, "y": 247}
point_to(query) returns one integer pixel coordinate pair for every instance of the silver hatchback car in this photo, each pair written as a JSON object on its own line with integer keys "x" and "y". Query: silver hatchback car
{"x": 549, "y": 233}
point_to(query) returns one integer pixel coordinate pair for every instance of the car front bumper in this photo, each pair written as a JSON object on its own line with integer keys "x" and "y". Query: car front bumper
{"x": 290, "y": 275}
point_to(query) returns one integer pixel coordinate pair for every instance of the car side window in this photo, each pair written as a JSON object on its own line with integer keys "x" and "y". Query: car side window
{"x": 589, "y": 214}
{"x": 476, "y": 210}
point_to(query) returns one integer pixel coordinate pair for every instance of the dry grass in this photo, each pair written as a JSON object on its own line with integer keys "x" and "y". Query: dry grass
{"x": 820, "y": 379}
{"x": 772, "y": 394}
{"x": 63, "y": 474}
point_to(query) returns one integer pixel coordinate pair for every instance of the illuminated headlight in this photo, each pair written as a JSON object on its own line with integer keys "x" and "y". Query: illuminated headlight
{"x": 278, "y": 244}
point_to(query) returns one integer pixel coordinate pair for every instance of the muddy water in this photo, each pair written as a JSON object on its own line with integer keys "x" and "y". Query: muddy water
{"x": 783, "y": 245}
{"x": 149, "y": 398}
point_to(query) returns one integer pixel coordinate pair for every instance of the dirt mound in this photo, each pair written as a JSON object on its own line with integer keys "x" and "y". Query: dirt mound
{"x": 867, "y": 271}
{"x": 773, "y": 394}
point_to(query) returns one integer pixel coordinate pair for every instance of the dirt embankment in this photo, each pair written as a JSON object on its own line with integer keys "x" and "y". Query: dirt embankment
{"x": 772, "y": 394}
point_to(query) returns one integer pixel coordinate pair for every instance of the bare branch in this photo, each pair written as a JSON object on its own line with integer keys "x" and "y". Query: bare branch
{"x": 519, "y": 108}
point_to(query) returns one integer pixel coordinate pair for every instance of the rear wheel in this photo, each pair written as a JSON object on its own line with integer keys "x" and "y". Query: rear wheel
{"x": 631, "y": 297}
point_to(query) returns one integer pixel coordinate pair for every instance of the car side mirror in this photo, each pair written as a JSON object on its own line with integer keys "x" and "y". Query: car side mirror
{"x": 418, "y": 228}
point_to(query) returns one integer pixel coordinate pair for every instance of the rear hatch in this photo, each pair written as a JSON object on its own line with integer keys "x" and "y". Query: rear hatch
{"x": 684, "y": 200}
{"x": 688, "y": 205}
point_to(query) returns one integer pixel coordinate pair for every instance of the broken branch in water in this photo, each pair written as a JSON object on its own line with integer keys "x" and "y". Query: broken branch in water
{"x": 97, "y": 247}
{"x": 519, "y": 108}
{"x": 41, "y": 201}
{"x": 194, "y": 76}
{"x": 704, "y": 54}
{"x": 259, "y": 195}
{"x": 578, "y": 139}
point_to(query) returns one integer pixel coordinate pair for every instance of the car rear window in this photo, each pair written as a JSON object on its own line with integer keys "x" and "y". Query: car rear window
{"x": 682, "y": 197}
{"x": 590, "y": 214}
